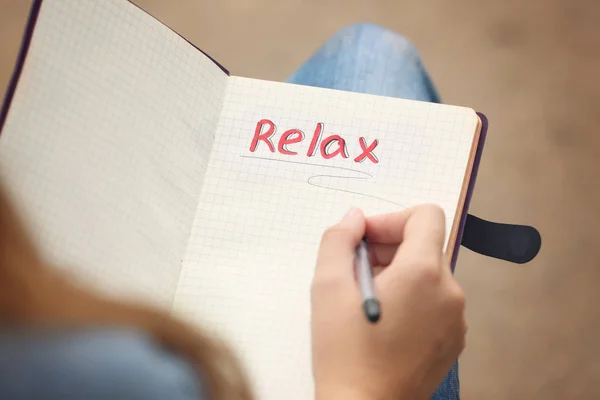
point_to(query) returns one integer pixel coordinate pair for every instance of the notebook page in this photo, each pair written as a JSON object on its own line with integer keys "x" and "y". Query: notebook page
{"x": 250, "y": 259}
{"x": 107, "y": 140}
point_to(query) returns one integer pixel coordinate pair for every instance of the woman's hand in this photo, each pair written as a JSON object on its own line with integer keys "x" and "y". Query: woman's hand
{"x": 422, "y": 328}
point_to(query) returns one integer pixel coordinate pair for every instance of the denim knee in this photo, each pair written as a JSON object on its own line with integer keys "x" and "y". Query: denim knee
{"x": 369, "y": 35}
{"x": 368, "y": 58}
{"x": 94, "y": 365}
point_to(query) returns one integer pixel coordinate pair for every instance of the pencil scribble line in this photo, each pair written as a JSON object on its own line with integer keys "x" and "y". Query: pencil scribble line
{"x": 309, "y": 180}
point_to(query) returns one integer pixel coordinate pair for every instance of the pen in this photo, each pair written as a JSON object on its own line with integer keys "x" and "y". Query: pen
{"x": 364, "y": 275}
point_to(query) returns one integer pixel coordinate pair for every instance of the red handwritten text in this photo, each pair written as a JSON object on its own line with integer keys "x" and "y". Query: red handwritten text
{"x": 330, "y": 147}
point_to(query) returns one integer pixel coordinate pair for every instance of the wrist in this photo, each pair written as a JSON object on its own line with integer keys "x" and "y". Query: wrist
{"x": 340, "y": 393}
{"x": 346, "y": 392}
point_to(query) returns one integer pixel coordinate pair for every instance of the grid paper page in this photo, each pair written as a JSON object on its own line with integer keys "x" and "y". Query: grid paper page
{"x": 250, "y": 260}
{"x": 107, "y": 140}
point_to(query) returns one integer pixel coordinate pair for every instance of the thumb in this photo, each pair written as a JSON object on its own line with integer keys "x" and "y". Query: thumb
{"x": 336, "y": 252}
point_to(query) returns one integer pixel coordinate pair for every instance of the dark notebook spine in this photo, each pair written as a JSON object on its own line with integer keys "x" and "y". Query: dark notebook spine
{"x": 25, "y": 42}
{"x": 192, "y": 44}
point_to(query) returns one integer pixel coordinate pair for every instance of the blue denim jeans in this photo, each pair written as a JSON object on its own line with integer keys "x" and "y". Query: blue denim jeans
{"x": 121, "y": 364}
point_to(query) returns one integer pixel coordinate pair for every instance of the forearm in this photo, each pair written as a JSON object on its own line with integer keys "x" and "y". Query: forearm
{"x": 339, "y": 393}
{"x": 345, "y": 392}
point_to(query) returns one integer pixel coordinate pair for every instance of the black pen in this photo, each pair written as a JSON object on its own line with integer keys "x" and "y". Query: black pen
{"x": 364, "y": 275}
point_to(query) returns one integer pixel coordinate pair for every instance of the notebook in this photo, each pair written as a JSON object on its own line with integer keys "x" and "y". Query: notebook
{"x": 148, "y": 170}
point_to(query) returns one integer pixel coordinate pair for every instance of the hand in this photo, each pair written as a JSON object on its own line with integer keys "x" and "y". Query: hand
{"x": 422, "y": 327}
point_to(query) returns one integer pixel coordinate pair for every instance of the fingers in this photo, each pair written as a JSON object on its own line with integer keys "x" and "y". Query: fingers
{"x": 388, "y": 228}
{"x": 417, "y": 232}
{"x": 386, "y": 232}
{"x": 424, "y": 234}
{"x": 382, "y": 254}
{"x": 336, "y": 252}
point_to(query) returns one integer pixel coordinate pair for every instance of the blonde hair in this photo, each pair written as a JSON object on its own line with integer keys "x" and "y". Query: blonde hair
{"x": 33, "y": 294}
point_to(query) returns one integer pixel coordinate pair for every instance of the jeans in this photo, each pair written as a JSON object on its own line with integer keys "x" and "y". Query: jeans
{"x": 122, "y": 364}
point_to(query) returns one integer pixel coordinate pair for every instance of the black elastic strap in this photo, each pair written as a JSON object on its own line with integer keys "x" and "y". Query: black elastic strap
{"x": 515, "y": 243}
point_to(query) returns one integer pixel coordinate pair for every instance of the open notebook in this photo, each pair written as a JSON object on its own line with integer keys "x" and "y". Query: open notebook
{"x": 148, "y": 170}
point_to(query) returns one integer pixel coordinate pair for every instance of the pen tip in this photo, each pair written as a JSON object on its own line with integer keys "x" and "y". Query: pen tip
{"x": 372, "y": 310}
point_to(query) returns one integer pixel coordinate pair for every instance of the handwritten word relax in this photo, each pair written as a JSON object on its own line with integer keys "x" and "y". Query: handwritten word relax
{"x": 329, "y": 147}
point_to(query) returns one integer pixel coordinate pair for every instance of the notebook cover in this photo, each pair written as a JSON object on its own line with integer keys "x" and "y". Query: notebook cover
{"x": 471, "y": 188}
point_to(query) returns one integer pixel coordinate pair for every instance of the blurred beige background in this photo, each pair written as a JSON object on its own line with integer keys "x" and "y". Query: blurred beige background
{"x": 532, "y": 66}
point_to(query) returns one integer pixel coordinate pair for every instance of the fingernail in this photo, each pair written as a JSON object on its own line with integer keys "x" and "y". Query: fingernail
{"x": 353, "y": 212}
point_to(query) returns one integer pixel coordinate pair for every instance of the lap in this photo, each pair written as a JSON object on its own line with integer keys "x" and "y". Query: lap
{"x": 366, "y": 58}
